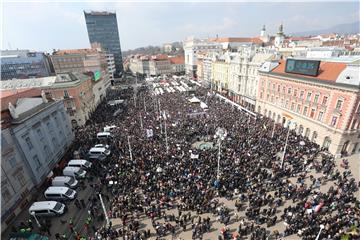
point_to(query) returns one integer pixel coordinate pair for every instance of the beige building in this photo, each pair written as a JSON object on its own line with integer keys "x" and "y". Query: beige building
{"x": 220, "y": 75}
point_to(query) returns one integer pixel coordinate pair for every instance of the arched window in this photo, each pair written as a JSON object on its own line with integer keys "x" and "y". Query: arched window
{"x": 327, "y": 142}
{"x": 314, "y": 136}
{"x": 301, "y": 129}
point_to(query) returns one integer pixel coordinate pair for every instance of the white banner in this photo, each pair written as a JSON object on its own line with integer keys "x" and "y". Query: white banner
{"x": 149, "y": 133}
{"x": 194, "y": 156}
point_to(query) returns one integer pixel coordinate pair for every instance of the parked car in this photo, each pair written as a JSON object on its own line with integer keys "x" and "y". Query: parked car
{"x": 47, "y": 208}
{"x": 65, "y": 181}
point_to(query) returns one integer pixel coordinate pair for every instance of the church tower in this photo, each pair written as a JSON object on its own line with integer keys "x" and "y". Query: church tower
{"x": 263, "y": 31}
{"x": 279, "y": 39}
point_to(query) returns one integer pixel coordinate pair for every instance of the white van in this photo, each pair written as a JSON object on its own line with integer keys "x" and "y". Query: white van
{"x": 75, "y": 172}
{"x": 79, "y": 163}
{"x": 64, "y": 181}
{"x": 104, "y": 135}
{"x": 60, "y": 193}
{"x": 99, "y": 153}
{"x": 47, "y": 208}
{"x": 109, "y": 128}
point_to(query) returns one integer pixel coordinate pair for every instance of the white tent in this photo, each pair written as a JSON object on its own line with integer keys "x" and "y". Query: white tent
{"x": 203, "y": 105}
{"x": 194, "y": 100}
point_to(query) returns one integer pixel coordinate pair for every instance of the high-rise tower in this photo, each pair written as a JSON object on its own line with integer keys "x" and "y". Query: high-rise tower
{"x": 102, "y": 28}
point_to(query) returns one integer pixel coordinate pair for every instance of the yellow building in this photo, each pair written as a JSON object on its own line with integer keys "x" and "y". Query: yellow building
{"x": 220, "y": 75}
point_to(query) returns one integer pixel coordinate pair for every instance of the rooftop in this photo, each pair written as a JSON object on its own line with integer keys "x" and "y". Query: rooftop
{"x": 177, "y": 60}
{"x": 75, "y": 51}
{"x": 99, "y": 13}
{"x": 235, "y": 39}
{"x": 328, "y": 71}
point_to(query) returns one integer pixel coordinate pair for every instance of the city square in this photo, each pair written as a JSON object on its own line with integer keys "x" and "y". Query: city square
{"x": 200, "y": 125}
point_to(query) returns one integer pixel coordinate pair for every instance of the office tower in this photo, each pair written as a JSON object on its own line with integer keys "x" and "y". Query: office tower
{"x": 102, "y": 28}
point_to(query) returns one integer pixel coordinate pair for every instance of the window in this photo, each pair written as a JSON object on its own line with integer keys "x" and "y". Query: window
{"x": 12, "y": 161}
{"x": 333, "y": 121}
{"x": 312, "y": 113}
{"x": 286, "y": 104}
{"x": 278, "y": 88}
{"x": 21, "y": 179}
{"x": 49, "y": 126}
{"x": 6, "y": 195}
{"x": 305, "y": 111}
{"x": 295, "y": 92}
{"x": 55, "y": 142}
{"x": 325, "y": 99}
{"x": 289, "y": 90}
{"x": 37, "y": 161}
{"x": 339, "y": 104}
{"x": 39, "y": 133}
{"x": 47, "y": 151}
{"x": 320, "y": 116}
{"x": 28, "y": 142}
{"x": 301, "y": 94}
{"x": 316, "y": 98}
{"x": 284, "y": 89}
{"x": 66, "y": 94}
{"x": 292, "y": 106}
{"x": 274, "y": 86}
{"x": 308, "y": 97}
{"x": 298, "y": 108}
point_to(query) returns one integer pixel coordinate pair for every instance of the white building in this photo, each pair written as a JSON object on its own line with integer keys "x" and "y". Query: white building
{"x": 192, "y": 47}
{"x": 110, "y": 65}
{"x": 324, "y": 52}
{"x": 243, "y": 74}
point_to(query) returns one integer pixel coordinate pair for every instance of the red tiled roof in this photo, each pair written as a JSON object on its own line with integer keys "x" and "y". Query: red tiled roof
{"x": 161, "y": 57}
{"x": 177, "y": 60}
{"x": 328, "y": 71}
{"x": 232, "y": 39}
{"x": 13, "y": 95}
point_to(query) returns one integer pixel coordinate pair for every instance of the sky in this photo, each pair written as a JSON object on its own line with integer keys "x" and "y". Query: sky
{"x": 44, "y": 26}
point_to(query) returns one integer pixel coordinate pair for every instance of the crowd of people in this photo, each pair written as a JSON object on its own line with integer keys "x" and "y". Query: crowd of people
{"x": 165, "y": 185}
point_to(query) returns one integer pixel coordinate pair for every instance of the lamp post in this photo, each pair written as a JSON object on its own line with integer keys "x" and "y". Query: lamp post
{"x": 220, "y": 135}
{"x": 273, "y": 130}
{"x": 37, "y": 220}
{"x": 321, "y": 228}
{"x": 130, "y": 152}
{"x": 104, "y": 209}
{"x": 286, "y": 142}
{"x": 166, "y": 138}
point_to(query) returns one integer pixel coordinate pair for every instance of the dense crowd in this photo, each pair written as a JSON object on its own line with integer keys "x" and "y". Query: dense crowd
{"x": 152, "y": 181}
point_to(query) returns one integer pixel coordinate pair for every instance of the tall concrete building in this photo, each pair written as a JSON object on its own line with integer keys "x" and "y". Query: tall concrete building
{"x": 102, "y": 28}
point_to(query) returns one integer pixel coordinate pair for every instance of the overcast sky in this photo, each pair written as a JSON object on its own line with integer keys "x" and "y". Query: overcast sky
{"x": 47, "y": 26}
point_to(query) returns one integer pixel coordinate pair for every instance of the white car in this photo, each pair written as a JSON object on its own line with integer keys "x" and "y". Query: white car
{"x": 102, "y": 146}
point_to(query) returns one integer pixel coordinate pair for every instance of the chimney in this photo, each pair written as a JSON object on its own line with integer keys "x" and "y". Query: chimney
{"x": 43, "y": 96}
{"x": 12, "y": 110}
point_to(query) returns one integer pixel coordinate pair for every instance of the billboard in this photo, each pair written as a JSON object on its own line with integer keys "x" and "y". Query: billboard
{"x": 97, "y": 75}
{"x": 304, "y": 67}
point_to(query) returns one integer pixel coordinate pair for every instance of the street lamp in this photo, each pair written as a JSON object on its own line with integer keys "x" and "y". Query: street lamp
{"x": 321, "y": 228}
{"x": 286, "y": 142}
{"x": 220, "y": 135}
